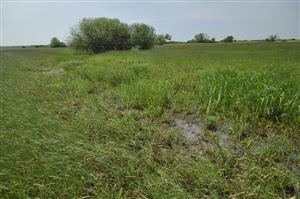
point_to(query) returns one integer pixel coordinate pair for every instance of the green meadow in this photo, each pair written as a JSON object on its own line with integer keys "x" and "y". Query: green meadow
{"x": 77, "y": 125}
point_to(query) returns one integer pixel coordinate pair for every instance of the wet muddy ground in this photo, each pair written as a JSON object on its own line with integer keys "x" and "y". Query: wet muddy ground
{"x": 198, "y": 138}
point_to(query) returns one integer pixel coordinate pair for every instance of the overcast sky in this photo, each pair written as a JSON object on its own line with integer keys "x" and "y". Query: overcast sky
{"x": 25, "y": 23}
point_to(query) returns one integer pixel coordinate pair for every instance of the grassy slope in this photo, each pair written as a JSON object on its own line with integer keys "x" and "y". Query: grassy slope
{"x": 100, "y": 128}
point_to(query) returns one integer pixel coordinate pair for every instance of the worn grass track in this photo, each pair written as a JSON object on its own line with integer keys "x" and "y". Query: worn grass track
{"x": 98, "y": 126}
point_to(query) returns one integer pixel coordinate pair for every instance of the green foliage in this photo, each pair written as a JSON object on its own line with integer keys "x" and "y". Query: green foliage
{"x": 168, "y": 37}
{"x": 142, "y": 35}
{"x": 160, "y": 39}
{"x": 228, "y": 39}
{"x": 100, "y": 34}
{"x": 55, "y": 43}
{"x": 273, "y": 37}
{"x": 201, "y": 38}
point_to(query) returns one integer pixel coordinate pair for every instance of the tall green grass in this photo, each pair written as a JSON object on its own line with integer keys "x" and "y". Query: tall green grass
{"x": 262, "y": 94}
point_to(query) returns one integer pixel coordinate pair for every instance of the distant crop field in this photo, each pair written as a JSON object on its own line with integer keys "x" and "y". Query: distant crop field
{"x": 209, "y": 120}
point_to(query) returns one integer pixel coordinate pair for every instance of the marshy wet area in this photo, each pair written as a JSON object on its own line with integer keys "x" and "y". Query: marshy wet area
{"x": 199, "y": 138}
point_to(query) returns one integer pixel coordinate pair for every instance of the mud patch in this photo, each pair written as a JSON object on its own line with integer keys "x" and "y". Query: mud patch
{"x": 199, "y": 139}
{"x": 190, "y": 132}
{"x": 224, "y": 139}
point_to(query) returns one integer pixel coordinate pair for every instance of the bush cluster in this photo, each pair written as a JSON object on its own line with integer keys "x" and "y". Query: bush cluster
{"x": 162, "y": 39}
{"x": 273, "y": 37}
{"x": 228, "y": 39}
{"x": 142, "y": 35}
{"x": 102, "y": 34}
{"x": 202, "y": 38}
{"x": 55, "y": 43}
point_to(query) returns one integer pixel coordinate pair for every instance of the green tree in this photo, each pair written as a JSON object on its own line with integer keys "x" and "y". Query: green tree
{"x": 191, "y": 41}
{"x": 142, "y": 35}
{"x": 160, "y": 39}
{"x": 100, "y": 34}
{"x": 168, "y": 37}
{"x": 273, "y": 37}
{"x": 228, "y": 39}
{"x": 201, "y": 38}
{"x": 55, "y": 43}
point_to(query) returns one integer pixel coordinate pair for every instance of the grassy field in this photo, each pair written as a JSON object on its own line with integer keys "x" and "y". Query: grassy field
{"x": 100, "y": 126}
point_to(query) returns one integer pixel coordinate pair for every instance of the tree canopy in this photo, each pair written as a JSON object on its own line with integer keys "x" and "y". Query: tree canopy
{"x": 100, "y": 34}
{"x": 142, "y": 35}
{"x": 272, "y": 37}
{"x": 55, "y": 43}
{"x": 201, "y": 38}
{"x": 228, "y": 39}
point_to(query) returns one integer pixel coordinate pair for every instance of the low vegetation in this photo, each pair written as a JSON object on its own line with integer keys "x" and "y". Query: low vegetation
{"x": 100, "y": 126}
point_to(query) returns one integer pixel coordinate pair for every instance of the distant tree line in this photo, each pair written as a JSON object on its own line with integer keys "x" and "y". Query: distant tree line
{"x": 102, "y": 34}
{"x": 204, "y": 38}
{"x": 201, "y": 38}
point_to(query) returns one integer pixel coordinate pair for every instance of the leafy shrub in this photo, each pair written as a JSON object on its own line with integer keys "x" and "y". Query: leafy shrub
{"x": 160, "y": 40}
{"x": 142, "y": 35}
{"x": 100, "y": 34}
{"x": 201, "y": 38}
{"x": 228, "y": 39}
{"x": 273, "y": 37}
{"x": 168, "y": 37}
{"x": 55, "y": 43}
